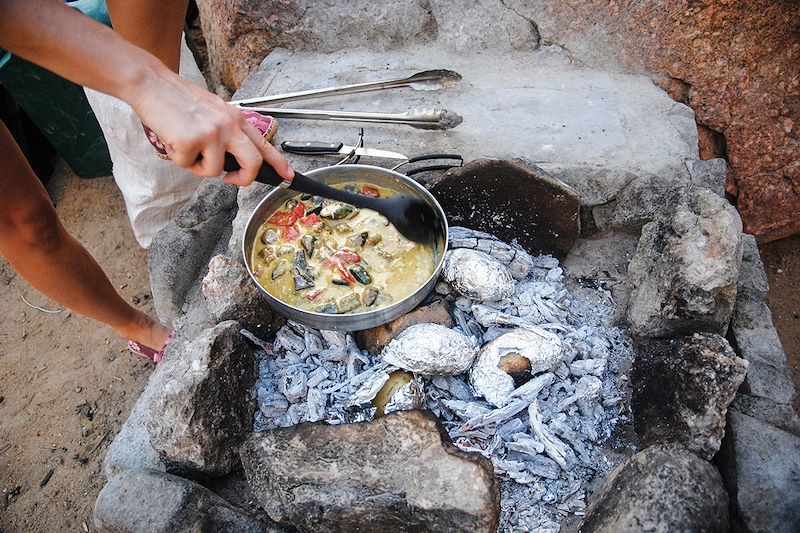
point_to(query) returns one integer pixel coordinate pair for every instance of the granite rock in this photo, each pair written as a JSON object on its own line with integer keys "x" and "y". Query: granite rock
{"x": 397, "y": 473}
{"x": 681, "y": 391}
{"x": 662, "y": 488}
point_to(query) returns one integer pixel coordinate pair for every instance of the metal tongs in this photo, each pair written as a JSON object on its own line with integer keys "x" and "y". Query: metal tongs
{"x": 430, "y": 119}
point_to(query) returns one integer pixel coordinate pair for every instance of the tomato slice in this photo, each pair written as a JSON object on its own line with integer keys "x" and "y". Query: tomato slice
{"x": 311, "y": 220}
{"x": 313, "y": 295}
{"x": 283, "y": 218}
{"x": 348, "y": 257}
{"x": 329, "y": 264}
{"x": 290, "y": 233}
{"x": 345, "y": 273}
{"x": 370, "y": 191}
{"x": 300, "y": 210}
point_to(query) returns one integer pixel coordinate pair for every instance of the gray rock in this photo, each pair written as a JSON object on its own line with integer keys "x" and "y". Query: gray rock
{"x": 131, "y": 448}
{"x": 514, "y": 202}
{"x": 204, "y": 407}
{"x": 761, "y": 467}
{"x": 663, "y": 488}
{"x": 478, "y": 26}
{"x": 781, "y": 416}
{"x": 757, "y": 342}
{"x": 180, "y": 252}
{"x": 232, "y": 295}
{"x": 686, "y": 268}
{"x": 752, "y": 277}
{"x": 240, "y": 33}
{"x": 710, "y": 174}
{"x": 681, "y": 391}
{"x": 149, "y": 501}
{"x": 643, "y": 200}
{"x": 397, "y": 473}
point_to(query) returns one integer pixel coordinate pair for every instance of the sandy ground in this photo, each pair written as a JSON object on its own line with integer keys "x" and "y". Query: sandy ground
{"x": 67, "y": 384}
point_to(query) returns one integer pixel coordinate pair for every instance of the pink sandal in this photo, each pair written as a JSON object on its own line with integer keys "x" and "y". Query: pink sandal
{"x": 147, "y": 352}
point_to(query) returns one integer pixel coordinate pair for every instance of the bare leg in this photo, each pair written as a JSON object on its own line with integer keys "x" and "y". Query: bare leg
{"x": 154, "y": 25}
{"x": 38, "y": 247}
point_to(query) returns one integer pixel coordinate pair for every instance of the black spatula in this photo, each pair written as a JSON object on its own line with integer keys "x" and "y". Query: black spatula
{"x": 412, "y": 217}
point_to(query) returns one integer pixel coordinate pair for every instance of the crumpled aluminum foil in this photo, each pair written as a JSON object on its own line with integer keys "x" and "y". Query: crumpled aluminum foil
{"x": 541, "y": 347}
{"x": 430, "y": 350}
{"x": 477, "y": 275}
{"x": 409, "y": 396}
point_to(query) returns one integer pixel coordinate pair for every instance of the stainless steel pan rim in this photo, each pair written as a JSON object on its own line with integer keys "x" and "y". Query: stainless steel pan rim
{"x": 337, "y": 174}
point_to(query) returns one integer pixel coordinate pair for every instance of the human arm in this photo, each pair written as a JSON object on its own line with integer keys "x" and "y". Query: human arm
{"x": 191, "y": 121}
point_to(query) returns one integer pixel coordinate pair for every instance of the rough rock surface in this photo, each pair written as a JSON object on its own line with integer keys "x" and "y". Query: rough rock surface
{"x": 397, "y": 473}
{"x": 232, "y": 295}
{"x": 180, "y": 252}
{"x": 750, "y": 98}
{"x": 155, "y": 502}
{"x": 757, "y": 341}
{"x": 644, "y": 199}
{"x": 761, "y": 467}
{"x": 514, "y": 202}
{"x": 685, "y": 271}
{"x": 240, "y": 33}
{"x": 662, "y": 488}
{"x": 375, "y": 339}
{"x": 592, "y": 130}
{"x": 204, "y": 407}
{"x": 681, "y": 391}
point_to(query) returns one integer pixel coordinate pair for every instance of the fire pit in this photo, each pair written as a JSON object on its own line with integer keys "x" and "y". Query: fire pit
{"x": 579, "y": 376}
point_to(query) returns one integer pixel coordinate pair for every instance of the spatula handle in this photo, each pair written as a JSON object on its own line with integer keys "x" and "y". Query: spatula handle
{"x": 266, "y": 174}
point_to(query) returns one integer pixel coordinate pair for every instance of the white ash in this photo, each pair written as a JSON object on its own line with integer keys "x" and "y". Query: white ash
{"x": 546, "y": 438}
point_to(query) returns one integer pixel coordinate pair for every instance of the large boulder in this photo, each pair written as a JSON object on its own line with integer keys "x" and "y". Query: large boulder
{"x": 397, "y": 473}
{"x": 180, "y": 252}
{"x": 149, "y": 501}
{"x": 662, "y": 488}
{"x": 747, "y": 102}
{"x": 686, "y": 268}
{"x": 232, "y": 295}
{"x": 204, "y": 408}
{"x": 681, "y": 391}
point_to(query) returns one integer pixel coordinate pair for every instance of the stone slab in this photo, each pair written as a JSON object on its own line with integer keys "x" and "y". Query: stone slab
{"x": 537, "y": 106}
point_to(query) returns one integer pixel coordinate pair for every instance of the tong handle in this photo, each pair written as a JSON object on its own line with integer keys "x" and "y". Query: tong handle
{"x": 294, "y": 147}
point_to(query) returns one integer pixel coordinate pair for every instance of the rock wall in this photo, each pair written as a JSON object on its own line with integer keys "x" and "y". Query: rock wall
{"x": 735, "y": 63}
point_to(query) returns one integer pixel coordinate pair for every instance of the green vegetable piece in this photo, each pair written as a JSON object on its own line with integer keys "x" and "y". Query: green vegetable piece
{"x": 280, "y": 269}
{"x": 361, "y": 274}
{"x": 308, "y": 242}
{"x": 290, "y": 204}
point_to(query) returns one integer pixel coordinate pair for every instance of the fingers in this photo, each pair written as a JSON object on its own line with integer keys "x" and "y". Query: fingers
{"x": 266, "y": 153}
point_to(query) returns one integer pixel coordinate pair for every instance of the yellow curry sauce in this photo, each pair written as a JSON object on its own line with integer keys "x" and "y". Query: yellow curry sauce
{"x": 330, "y": 257}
